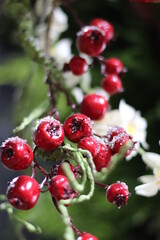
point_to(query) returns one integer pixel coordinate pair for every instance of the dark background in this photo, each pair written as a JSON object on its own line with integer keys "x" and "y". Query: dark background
{"x": 137, "y": 28}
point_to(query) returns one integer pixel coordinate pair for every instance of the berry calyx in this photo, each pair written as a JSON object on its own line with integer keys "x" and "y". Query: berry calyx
{"x": 112, "y": 84}
{"x": 49, "y": 134}
{"x": 94, "y": 106}
{"x": 103, "y": 157}
{"x": 114, "y": 66}
{"x": 23, "y": 192}
{"x": 91, "y": 144}
{"x": 87, "y": 236}
{"x": 91, "y": 41}
{"x": 118, "y": 193}
{"x": 77, "y": 126}
{"x": 16, "y": 154}
{"x": 105, "y": 27}
{"x": 78, "y": 65}
{"x": 60, "y": 188}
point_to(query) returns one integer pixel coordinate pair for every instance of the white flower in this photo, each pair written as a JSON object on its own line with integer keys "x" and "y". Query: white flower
{"x": 151, "y": 184}
{"x": 133, "y": 123}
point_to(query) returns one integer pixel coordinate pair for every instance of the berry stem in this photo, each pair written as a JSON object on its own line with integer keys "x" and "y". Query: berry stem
{"x": 37, "y": 165}
{"x": 101, "y": 184}
{"x": 74, "y": 228}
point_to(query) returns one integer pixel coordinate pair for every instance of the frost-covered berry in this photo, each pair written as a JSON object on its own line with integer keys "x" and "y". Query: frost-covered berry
{"x": 106, "y": 27}
{"x": 114, "y": 66}
{"x": 103, "y": 157}
{"x": 49, "y": 134}
{"x": 91, "y": 41}
{"x": 78, "y": 65}
{"x": 118, "y": 193}
{"x": 114, "y": 131}
{"x": 60, "y": 188}
{"x": 94, "y": 106}
{"x": 112, "y": 84}
{"x": 91, "y": 144}
{"x": 77, "y": 126}
{"x": 23, "y": 192}
{"x": 16, "y": 154}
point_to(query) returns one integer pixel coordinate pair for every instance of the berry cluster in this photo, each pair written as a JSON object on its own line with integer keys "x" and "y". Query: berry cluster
{"x": 50, "y": 135}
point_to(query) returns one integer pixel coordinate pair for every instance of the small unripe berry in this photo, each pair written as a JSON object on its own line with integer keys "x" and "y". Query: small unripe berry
{"x": 114, "y": 66}
{"x": 49, "y": 134}
{"x": 118, "y": 193}
{"x": 105, "y": 27}
{"x": 77, "y": 126}
{"x": 112, "y": 84}
{"x": 60, "y": 188}
{"x": 91, "y": 144}
{"x": 103, "y": 157}
{"x": 94, "y": 106}
{"x": 87, "y": 236}
{"x": 16, "y": 154}
{"x": 23, "y": 192}
{"x": 78, "y": 65}
{"x": 91, "y": 41}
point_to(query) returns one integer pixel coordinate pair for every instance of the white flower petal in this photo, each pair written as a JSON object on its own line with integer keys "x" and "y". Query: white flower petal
{"x": 151, "y": 159}
{"x": 147, "y": 190}
{"x": 126, "y": 111}
{"x": 78, "y": 94}
{"x": 147, "y": 178}
{"x": 70, "y": 79}
{"x": 85, "y": 81}
{"x": 102, "y": 92}
{"x": 62, "y": 51}
{"x": 111, "y": 118}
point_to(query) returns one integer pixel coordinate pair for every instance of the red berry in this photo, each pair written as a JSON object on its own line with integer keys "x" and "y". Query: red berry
{"x": 77, "y": 126}
{"x": 49, "y": 134}
{"x": 91, "y": 144}
{"x": 16, "y": 154}
{"x": 78, "y": 65}
{"x": 60, "y": 188}
{"x": 23, "y": 192}
{"x": 118, "y": 193}
{"x": 105, "y": 27}
{"x": 60, "y": 170}
{"x": 112, "y": 84}
{"x": 119, "y": 141}
{"x": 91, "y": 40}
{"x": 114, "y": 131}
{"x": 114, "y": 66}
{"x": 94, "y": 106}
{"x": 87, "y": 236}
{"x": 103, "y": 157}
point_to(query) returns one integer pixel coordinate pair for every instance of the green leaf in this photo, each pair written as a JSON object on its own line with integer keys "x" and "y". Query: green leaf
{"x": 15, "y": 70}
{"x": 36, "y": 113}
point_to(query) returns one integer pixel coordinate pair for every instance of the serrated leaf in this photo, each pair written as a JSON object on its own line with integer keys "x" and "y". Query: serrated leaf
{"x": 36, "y": 113}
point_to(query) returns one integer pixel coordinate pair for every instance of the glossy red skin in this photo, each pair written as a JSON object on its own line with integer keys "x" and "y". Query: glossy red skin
{"x": 16, "y": 154}
{"x": 94, "y": 106}
{"x": 49, "y": 134}
{"x": 106, "y": 27}
{"x": 60, "y": 170}
{"x": 103, "y": 157}
{"x": 60, "y": 188}
{"x": 114, "y": 66}
{"x": 91, "y": 41}
{"x": 87, "y": 236}
{"x": 77, "y": 126}
{"x": 115, "y": 189}
{"x": 112, "y": 84}
{"x": 114, "y": 131}
{"x": 119, "y": 141}
{"x": 78, "y": 65}
{"x": 23, "y": 192}
{"x": 90, "y": 144}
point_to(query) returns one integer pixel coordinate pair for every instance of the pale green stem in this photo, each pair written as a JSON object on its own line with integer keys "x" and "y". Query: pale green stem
{"x": 69, "y": 234}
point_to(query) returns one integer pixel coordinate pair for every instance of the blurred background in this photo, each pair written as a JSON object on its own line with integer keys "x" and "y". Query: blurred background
{"x": 137, "y": 44}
